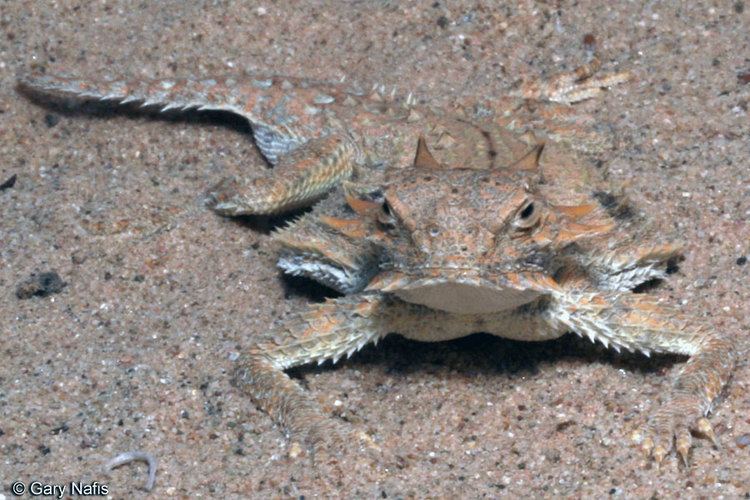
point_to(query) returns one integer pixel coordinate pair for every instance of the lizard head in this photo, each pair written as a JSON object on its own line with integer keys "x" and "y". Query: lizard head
{"x": 470, "y": 241}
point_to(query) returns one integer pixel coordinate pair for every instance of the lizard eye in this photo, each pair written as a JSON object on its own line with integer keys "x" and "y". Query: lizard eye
{"x": 528, "y": 216}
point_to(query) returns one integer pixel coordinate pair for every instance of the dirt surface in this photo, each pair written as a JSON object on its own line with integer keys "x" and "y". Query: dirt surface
{"x": 156, "y": 296}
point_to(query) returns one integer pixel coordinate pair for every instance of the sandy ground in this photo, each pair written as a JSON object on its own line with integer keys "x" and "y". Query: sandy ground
{"x": 136, "y": 350}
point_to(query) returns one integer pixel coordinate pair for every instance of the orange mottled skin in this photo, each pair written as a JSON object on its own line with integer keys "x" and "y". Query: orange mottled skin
{"x": 437, "y": 223}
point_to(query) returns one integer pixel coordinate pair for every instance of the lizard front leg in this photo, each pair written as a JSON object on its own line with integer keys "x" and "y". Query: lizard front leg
{"x": 326, "y": 331}
{"x": 639, "y": 322}
{"x": 341, "y": 327}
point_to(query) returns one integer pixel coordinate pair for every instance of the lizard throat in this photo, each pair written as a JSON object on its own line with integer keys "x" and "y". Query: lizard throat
{"x": 463, "y": 297}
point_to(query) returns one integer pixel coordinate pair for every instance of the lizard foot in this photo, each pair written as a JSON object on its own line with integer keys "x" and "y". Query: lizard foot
{"x": 233, "y": 197}
{"x": 256, "y": 196}
{"x": 331, "y": 443}
{"x": 222, "y": 193}
{"x": 672, "y": 427}
{"x": 572, "y": 86}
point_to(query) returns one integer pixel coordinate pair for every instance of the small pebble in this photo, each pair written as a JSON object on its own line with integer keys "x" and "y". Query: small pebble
{"x": 78, "y": 257}
{"x": 295, "y": 450}
{"x": 743, "y": 441}
{"x": 741, "y": 261}
{"x": 9, "y": 183}
{"x": 51, "y": 120}
{"x": 40, "y": 285}
{"x": 589, "y": 41}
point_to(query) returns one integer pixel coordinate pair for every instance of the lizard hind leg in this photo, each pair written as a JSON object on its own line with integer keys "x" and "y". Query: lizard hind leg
{"x": 300, "y": 178}
{"x": 544, "y": 106}
{"x": 695, "y": 392}
{"x": 574, "y": 86}
{"x": 306, "y": 168}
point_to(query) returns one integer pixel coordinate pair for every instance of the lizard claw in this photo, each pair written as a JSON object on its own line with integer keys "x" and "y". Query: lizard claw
{"x": 671, "y": 428}
{"x": 220, "y": 197}
{"x": 704, "y": 427}
{"x": 683, "y": 443}
{"x": 366, "y": 441}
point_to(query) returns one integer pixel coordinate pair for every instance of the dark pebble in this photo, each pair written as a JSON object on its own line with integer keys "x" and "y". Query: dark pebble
{"x": 60, "y": 429}
{"x": 589, "y": 41}
{"x": 51, "y": 120}
{"x": 741, "y": 261}
{"x": 40, "y": 285}
{"x": 78, "y": 257}
{"x": 8, "y": 183}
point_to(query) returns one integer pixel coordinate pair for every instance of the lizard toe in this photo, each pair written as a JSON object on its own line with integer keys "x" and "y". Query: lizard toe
{"x": 329, "y": 443}
{"x": 673, "y": 428}
{"x": 221, "y": 195}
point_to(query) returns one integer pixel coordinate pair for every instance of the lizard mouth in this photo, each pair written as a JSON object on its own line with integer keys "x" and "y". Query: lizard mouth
{"x": 461, "y": 294}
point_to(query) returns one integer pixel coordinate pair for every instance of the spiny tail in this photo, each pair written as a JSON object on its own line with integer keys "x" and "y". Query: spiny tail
{"x": 166, "y": 94}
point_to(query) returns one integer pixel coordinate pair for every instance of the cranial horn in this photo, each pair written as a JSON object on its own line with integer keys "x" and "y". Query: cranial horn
{"x": 424, "y": 158}
{"x": 529, "y": 161}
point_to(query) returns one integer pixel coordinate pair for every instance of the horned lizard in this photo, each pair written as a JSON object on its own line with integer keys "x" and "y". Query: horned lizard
{"x": 488, "y": 227}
